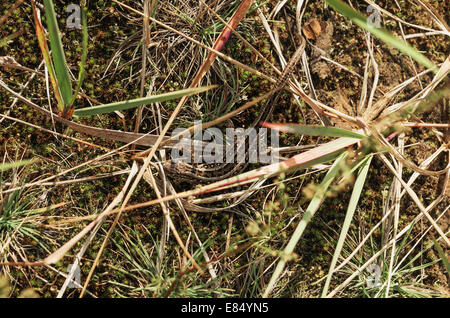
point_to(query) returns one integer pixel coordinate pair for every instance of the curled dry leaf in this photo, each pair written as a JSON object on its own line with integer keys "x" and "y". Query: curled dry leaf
{"x": 312, "y": 29}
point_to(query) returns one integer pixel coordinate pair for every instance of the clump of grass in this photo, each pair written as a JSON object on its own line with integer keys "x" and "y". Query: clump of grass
{"x": 406, "y": 280}
{"x": 142, "y": 273}
{"x": 20, "y": 226}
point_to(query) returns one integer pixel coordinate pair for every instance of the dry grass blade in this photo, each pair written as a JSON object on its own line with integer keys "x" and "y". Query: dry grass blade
{"x": 54, "y": 133}
{"x": 145, "y": 44}
{"x": 10, "y": 62}
{"x": 402, "y": 159}
{"x": 416, "y": 200}
{"x": 396, "y": 202}
{"x": 248, "y": 44}
{"x": 181, "y": 206}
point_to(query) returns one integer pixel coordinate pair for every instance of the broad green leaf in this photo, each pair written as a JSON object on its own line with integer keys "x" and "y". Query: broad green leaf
{"x": 381, "y": 33}
{"x": 309, "y": 213}
{"x": 313, "y": 130}
{"x": 356, "y": 193}
{"x": 59, "y": 59}
{"x": 107, "y": 108}
{"x": 7, "y": 166}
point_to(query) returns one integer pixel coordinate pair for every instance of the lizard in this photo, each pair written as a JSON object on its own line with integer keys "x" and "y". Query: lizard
{"x": 193, "y": 174}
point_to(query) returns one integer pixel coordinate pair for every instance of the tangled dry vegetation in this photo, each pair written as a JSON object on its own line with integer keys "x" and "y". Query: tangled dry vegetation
{"x": 358, "y": 206}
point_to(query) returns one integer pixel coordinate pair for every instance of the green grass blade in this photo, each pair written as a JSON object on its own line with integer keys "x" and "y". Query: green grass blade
{"x": 381, "y": 33}
{"x": 310, "y": 211}
{"x": 81, "y": 73}
{"x": 7, "y": 166}
{"x": 405, "y": 238}
{"x": 59, "y": 59}
{"x": 313, "y": 130}
{"x": 40, "y": 33}
{"x": 356, "y": 193}
{"x": 442, "y": 256}
{"x": 107, "y": 108}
